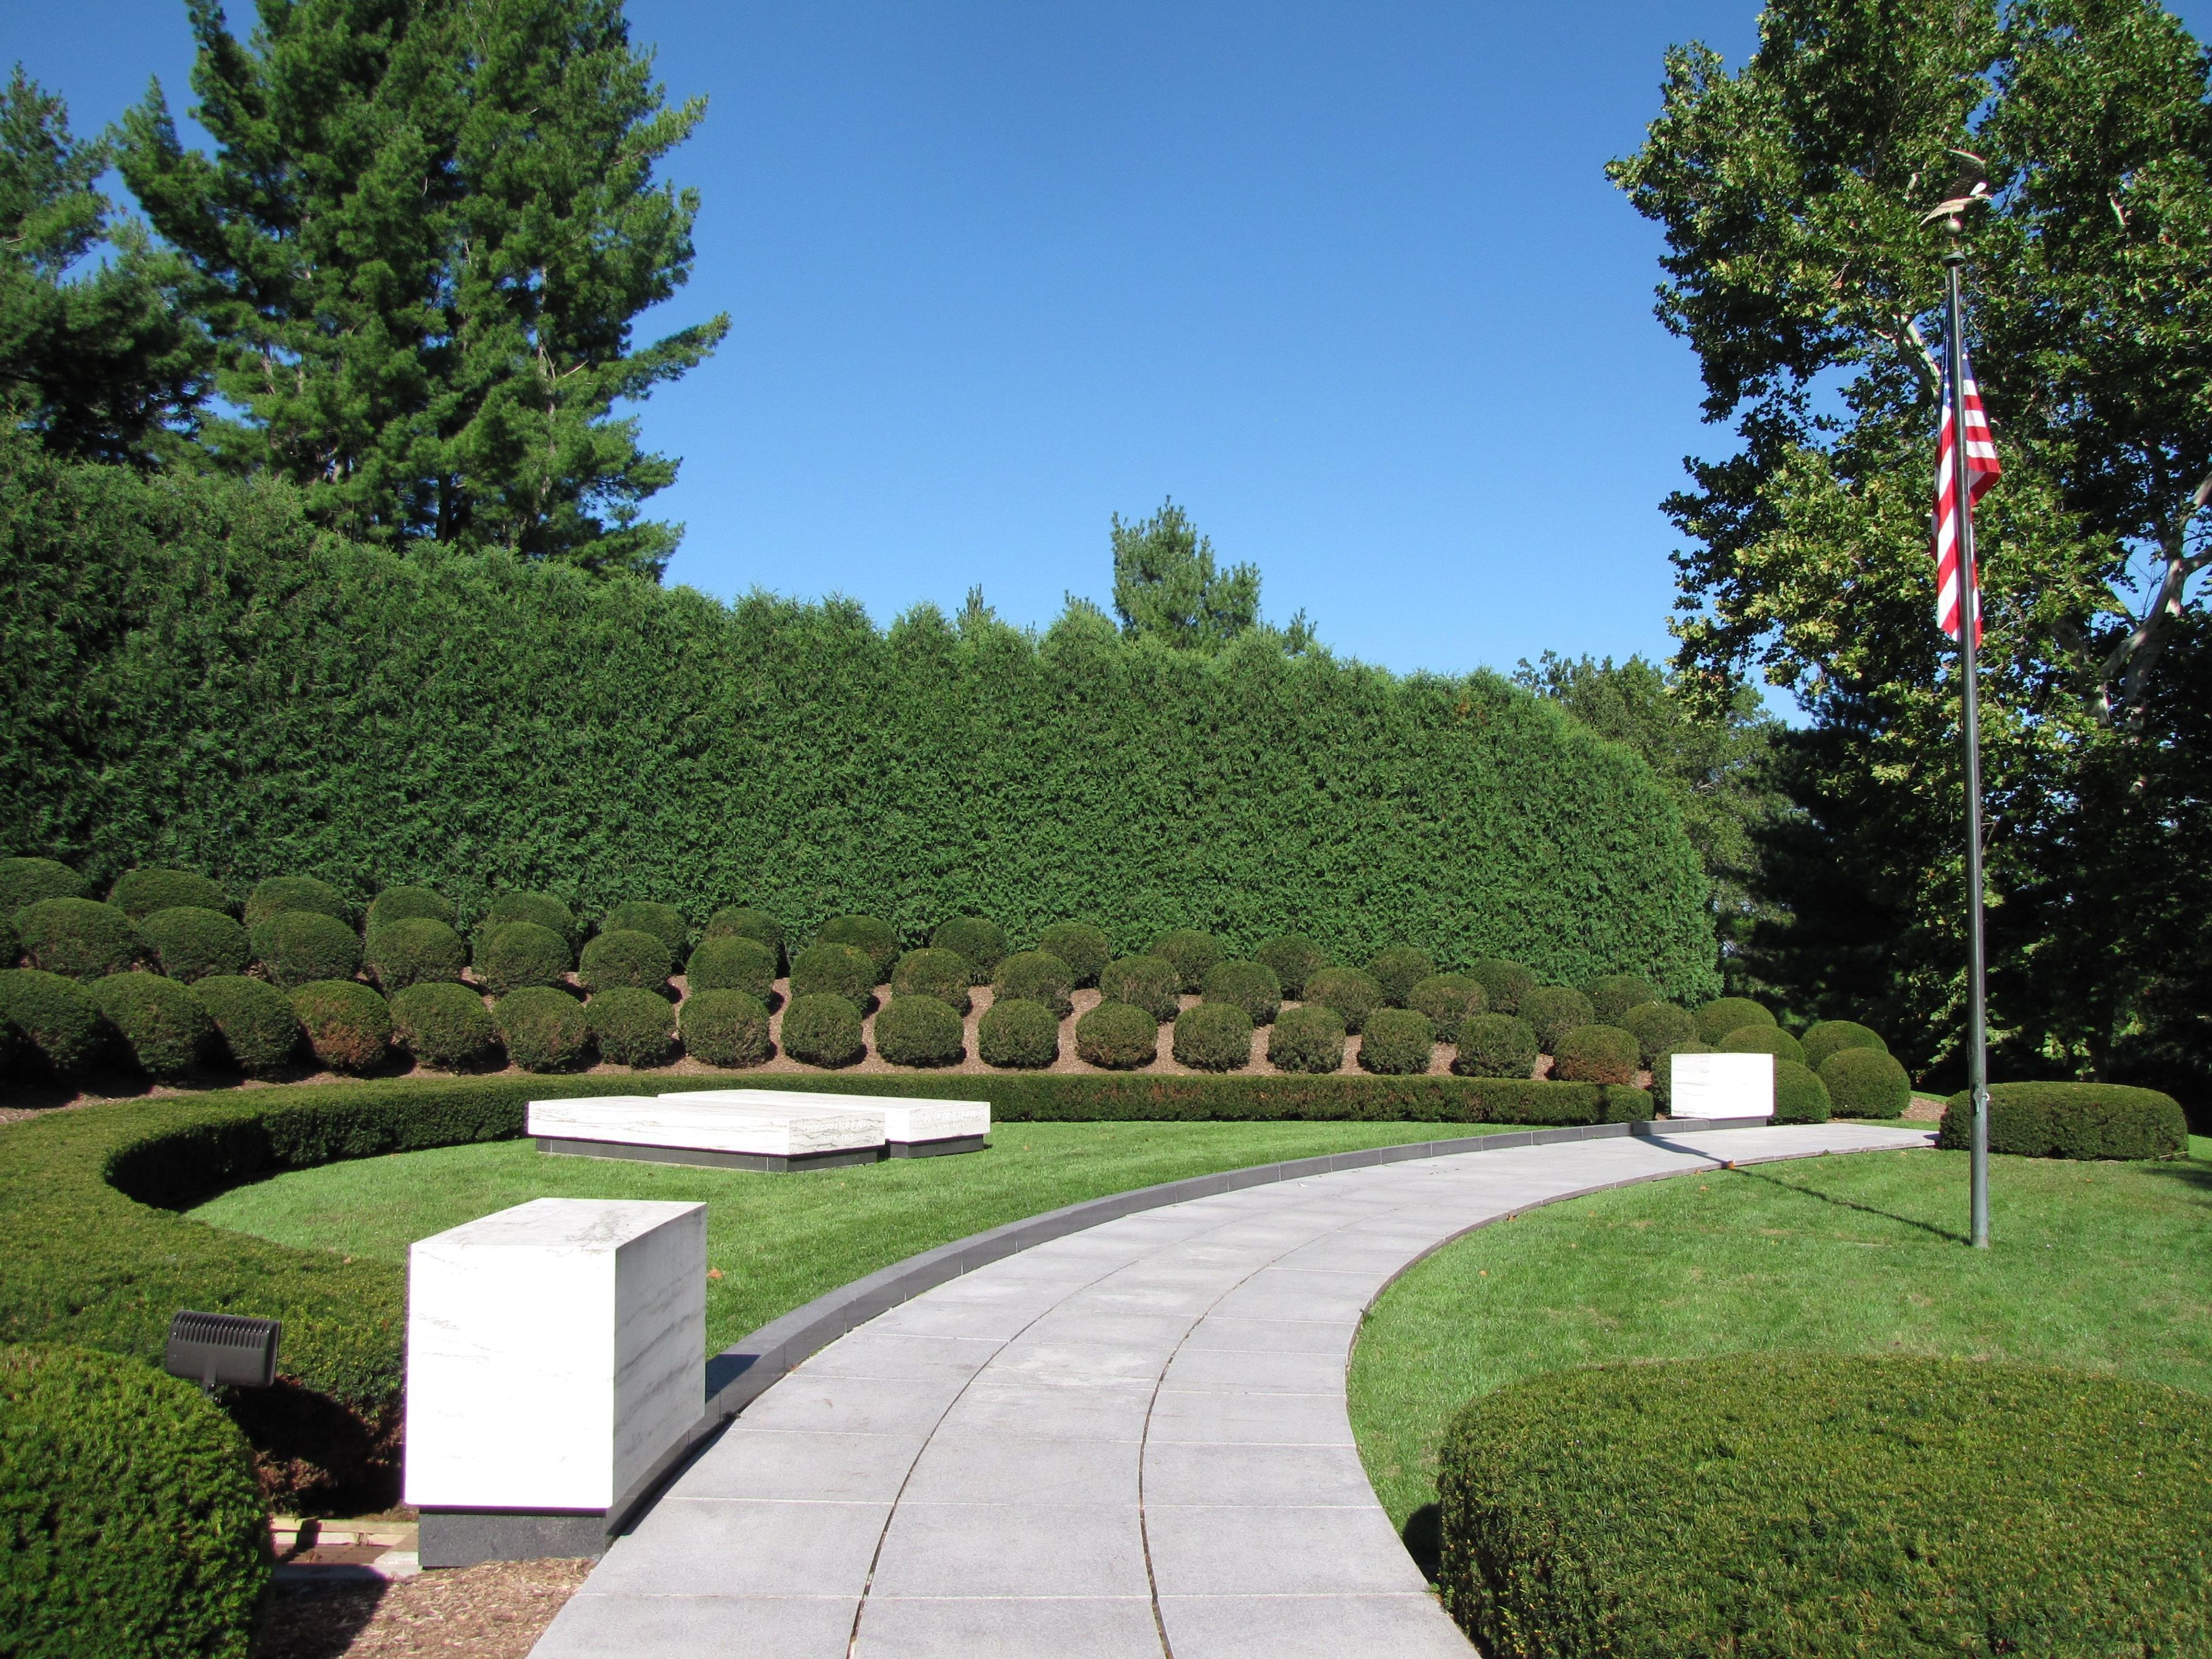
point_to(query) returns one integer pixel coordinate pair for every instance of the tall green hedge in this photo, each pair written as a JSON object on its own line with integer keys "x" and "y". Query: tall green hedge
{"x": 198, "y": 681}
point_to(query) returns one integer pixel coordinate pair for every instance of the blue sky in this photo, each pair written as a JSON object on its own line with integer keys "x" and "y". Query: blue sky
{"x": 1346, "y": 281}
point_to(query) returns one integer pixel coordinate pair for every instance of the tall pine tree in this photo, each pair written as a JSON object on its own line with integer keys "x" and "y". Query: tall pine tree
{"x": 420, "y": 244}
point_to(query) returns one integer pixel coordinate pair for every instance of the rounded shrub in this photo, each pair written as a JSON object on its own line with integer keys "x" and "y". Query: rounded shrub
{"x": 1018, "y": 1036}
{"x": 281, "y": 893}
{"x": 1613, "y": 996}
{"x": 1553, "y": 1010}
{"x": 1307, "y": 1039}
{"x": 1397, "y": 1042}
{"x": 725, "y": 1027}
{"x": 1450, "y": 1001}
{"x": 1833, "y": 1036}
{"x": 1352, "y": 995}
{"x": 1596, "y": 1054}
{"x": 348, "y": 1026}
{"x": 1251, "y": 986}
{"x": 1662, "y": 1073}
{"x": 1398, "y": 970}
{"x": 1213, "y": 1037}
{"x": 977, "y": 939}
{"x": 731, "y": 962}
{"x": 408, "y": 904}
{"x": 445, "y": 1024}
{"x": 539, "y": 909}
{"x": 1762, "y": 1040}
{"x": 1800, "y": 1097}
{"x": 871, "y": 936}
{"x": 1865, "y": 1083}
{"x": 1503, "y": 981}
{"x": 2070, "y": 1120}
{"x": 191, "y": 942}
{"x": 163, "y": 1026}
{"x": 1881, "y": 1506}
{"x": 937, "y": 971}
{"x": 628, "y": 960}
{"x": 139, "y": 893}
{"x": 1725, "y": 1014}
{"x": 1192, "y": 951}
{"x": 57, "y": 1017}
{"x": 517, "y": 955}
{"x": 1035, "y": 976}
{"x": 26, "y": 881}
{"x": 823, "y": 1027}
{"x": 1084, "y": 949}
{"x": 1117, "y": 1036}
{"x": 11, "y": 943}
{"x": 738, "y": 921}
{"x": 1152, "y": 984}
{"x": 543, "y": 1028}
{"x": 254, "y": 1023}
{"x": 299, "y": 947}
{"x": 1496, "y": 1045}
{"x": 1295, "y": 959}
{"x": 835, "y": 970}
{"x": 77, "y": 938}
{"x": 664, "y": 921}
{"x": 631, "y": 1026}
{"x": 134, "y": 1529}
{"x": 1658, "y": 1028}
{"x": 414, "y": 950}
{"x": 919, "y": 1029}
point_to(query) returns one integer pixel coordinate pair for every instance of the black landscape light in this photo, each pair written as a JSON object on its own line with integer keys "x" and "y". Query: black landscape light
{"x": 234, "y": 1349}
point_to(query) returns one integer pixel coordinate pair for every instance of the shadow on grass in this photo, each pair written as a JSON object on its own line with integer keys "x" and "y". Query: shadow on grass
{"x": 1945, "y": 1234}
{"x": 1423, "y": 1535}
{"x": 2189, "y": 1172}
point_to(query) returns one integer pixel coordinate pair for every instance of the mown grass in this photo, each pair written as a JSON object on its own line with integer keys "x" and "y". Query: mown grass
{"x": 778, "y": 1240}
{"x": 2097, "y": 1267}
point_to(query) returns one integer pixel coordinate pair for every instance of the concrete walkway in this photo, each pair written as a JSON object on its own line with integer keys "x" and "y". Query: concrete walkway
{"x": 1131, "y": 1442}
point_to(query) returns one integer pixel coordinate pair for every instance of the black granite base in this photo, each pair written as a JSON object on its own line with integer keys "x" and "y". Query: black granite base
{"x": 935, "y": 1148}
{"x": 699, "y": 1157}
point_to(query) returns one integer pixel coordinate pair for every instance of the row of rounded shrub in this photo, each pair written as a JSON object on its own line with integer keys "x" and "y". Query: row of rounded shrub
{"x": 1838, "y": 1068}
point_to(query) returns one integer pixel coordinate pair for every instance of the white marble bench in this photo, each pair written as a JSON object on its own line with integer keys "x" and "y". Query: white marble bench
{"x": 711, "y": 1133}
{"x": 910, "y": 1127}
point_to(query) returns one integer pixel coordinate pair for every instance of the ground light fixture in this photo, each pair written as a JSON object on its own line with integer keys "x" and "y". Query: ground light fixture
{"x": 232, "y": 1350}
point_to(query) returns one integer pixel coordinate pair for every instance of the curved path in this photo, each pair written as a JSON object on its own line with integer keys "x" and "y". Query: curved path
{"x": 1130, "y": 1442}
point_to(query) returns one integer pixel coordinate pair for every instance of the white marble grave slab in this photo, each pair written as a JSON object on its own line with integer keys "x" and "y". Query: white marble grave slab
{"x": 701, "y": 1123}
{"x": 1722, "y": 1085}
{"x": 556, "y": 1351}
{"x": 901, "y": 1119}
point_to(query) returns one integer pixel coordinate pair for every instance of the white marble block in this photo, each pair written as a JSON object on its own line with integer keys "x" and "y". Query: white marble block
{"x": 705, "y": 1123}
{"x": 898, "y": 1119}
{"x": 556, "y": 1351}
{"x": 1722, "y": 1085}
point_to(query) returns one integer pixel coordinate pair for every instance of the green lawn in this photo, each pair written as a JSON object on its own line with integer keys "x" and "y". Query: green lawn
{"x": 779, "y": 1240}
{"x": 2097, "y": 1267}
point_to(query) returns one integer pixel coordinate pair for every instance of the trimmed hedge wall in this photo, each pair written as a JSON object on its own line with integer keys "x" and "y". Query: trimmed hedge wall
{"x": 1878, "y": 1507}
{"x": 2070, "y": 1120}
{"x": 201, "y": 680}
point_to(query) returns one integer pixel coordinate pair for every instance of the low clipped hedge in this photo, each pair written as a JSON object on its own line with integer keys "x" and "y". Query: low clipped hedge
{"x": 1017, "y": 1035}
{"x": 348, "y": 1026}
{"x": 664, "y": 921}
{"x": 139, "y": 893}
{"x": 1118, "y": 1035}
{"x": 1036, "y": 976}
{"x": 1800, "y": 1097}
{"x": 1881, "y": 1507}
{"x": 2070, "y": 1120}
{"x": 1397, "y": 1042}
{"x": 731, "y": 962}
{"x": 978, "y": 941}
{"x": 1213, "y": 1037}
{"x": 822, "y": 1028}
{"x": 514, "y": 955}
{"x": 871, "y": 936}
{"x": 1450, "y": 1001}
{"x": 1308, "y": 1040}
{"x": 131, "y": 1527}
{"x": 1833, "y": 1036}
{"x": 1865, "y": 1083}
{"x": 539, "y": 909}
{"x": 1496, "y": 1046}
{"x": 834, "y": 970}
{"x": 543, "y": 1027}
{"x": 407, "y": 904}
{"x": 1553, "y": 1010}
{"x": 1084, "y": 949}
{"x": 26, "y": 881}
{"x": 1192, "y": 951}
{"x": 1152, "y": 984}
{"x": 1596, "y": 1054}
{"x": 298, "y": 947}
{"x": 1295, "y": 959}
{"x": 628, "y": 960}
{"x": 919, "y": 1029}
{"x": 1398, "y": 970}
{"x": 937, "y": 972}
{"x": 61, "y": 1029}
{"x": 1717, "y": 1018}
{"x": 741, "y": 921}
{"x": 77, "y": 938}
{"x": 445, "y": 1024}
{"x": 1354, "y": 995}
{"x": 1251, "y": 986}
{"x": 1613, "y": 995}
{"x": 165, "y": 1027}
{"x": 632, "y": 1026}
{"x": 1503, "y": 981}
{"x": 1762, "y": 1040}
{"x": 724, "y": 1027}
{"x": 414, "y": 950}
{"x": 254, "y": 1023}
{"x": 281, "y": 893}
{"x": 1659, "y": 1027}
{"x": 191, "y": 942}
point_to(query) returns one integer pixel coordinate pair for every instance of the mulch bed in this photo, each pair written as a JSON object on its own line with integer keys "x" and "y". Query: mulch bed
{"x": 496, "y": 1611}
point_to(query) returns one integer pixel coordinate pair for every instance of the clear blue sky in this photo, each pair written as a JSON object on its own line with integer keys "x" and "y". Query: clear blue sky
{"x": 1346, "y": 281}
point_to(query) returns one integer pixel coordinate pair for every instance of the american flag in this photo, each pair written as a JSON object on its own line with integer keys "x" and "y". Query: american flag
{"x": 1982, "y": 472}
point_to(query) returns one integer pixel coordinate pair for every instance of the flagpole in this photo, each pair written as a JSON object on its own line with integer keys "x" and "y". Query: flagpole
{"x": 1970, "y": 617}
